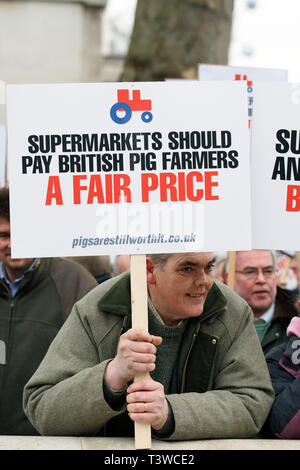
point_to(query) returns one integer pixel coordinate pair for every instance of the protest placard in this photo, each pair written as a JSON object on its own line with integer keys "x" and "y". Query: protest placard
{"x": 250, "y": 75}
{"x": 286, "y": 272}
{"x": 128, "y": 168}
{"x": 275, "y": 168}
{"x": 164, "y": 177}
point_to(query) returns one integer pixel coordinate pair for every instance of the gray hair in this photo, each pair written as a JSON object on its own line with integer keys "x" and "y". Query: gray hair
{"x": 160, "y": 259}
{"x": 273, "y": 254}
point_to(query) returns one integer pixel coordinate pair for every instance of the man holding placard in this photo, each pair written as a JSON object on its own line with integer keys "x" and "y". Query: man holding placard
{"x": 208, "y": 378}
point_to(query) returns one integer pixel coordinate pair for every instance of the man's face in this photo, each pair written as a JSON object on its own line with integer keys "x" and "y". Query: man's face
{"x": 259, "y": 290}
{"x": 5, "y": 250}
{"x": 180, "y": 288}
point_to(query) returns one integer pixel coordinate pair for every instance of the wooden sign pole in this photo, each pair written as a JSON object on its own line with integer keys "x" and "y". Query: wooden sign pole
{"x": 139, "y": 308}
{"x": 231, "y": 269}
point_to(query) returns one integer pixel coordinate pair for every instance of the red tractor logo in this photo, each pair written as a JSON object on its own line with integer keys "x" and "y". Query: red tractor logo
{"x": 127, "y": 106}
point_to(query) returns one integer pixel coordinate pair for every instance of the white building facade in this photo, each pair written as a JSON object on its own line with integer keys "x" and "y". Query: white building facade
{"x": 51, "y": 41}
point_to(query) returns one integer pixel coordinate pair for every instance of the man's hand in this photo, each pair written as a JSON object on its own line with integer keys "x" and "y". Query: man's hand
{"x": 135, "y": 354}
{"x": 146, "y": 403}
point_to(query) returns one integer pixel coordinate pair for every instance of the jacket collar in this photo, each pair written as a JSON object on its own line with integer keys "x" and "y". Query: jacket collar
{"x": 117, "y": 300}
{"x": 35, "y": 275}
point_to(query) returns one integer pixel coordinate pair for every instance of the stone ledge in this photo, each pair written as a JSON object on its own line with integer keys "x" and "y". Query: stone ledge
{"x": 119, "y": 444}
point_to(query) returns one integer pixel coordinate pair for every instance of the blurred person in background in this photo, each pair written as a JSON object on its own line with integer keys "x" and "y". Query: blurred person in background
{"x": 36, "y": 296}
{"x": 255, "y": 281}
{"x": 99, "y": 266}
{"x": 121, "y": 264}
{"x": 220, "y": 265}
{"x": 287, "y": 273}
{"x": 284, "y": 366}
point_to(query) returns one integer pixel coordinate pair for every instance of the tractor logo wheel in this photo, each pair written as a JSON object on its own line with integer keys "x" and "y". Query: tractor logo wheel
{"x": 120, "y": 106}
{"x": 147, "y": 116}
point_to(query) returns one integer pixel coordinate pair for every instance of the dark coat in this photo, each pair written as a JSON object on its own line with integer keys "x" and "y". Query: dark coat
{"x": 284, "y": 366}
{"x": 285, "y": 310}
{"x": 28, "y": 324}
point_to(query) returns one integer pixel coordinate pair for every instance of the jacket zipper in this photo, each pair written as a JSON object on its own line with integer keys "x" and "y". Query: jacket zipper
{"x": 11, "y": 311}
{"x": 186, "y": 361}
{"x": 4, "y": 378}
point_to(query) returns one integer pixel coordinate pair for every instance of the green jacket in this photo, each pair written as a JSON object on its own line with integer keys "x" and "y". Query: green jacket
{"x": 28, "y": 324}
{"x": 223, "y": 390}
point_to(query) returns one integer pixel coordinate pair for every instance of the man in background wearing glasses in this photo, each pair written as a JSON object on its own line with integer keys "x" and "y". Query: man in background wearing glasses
{"x": 255, "y": 281}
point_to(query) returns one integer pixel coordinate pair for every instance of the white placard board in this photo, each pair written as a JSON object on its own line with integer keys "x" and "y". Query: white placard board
{"x": 275, "y": 168}
{"x": 2, "y": 133}
{"x": 97, "y": 180}
{"x": 230, "y": 72}
{"x": 249, "y": 74}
